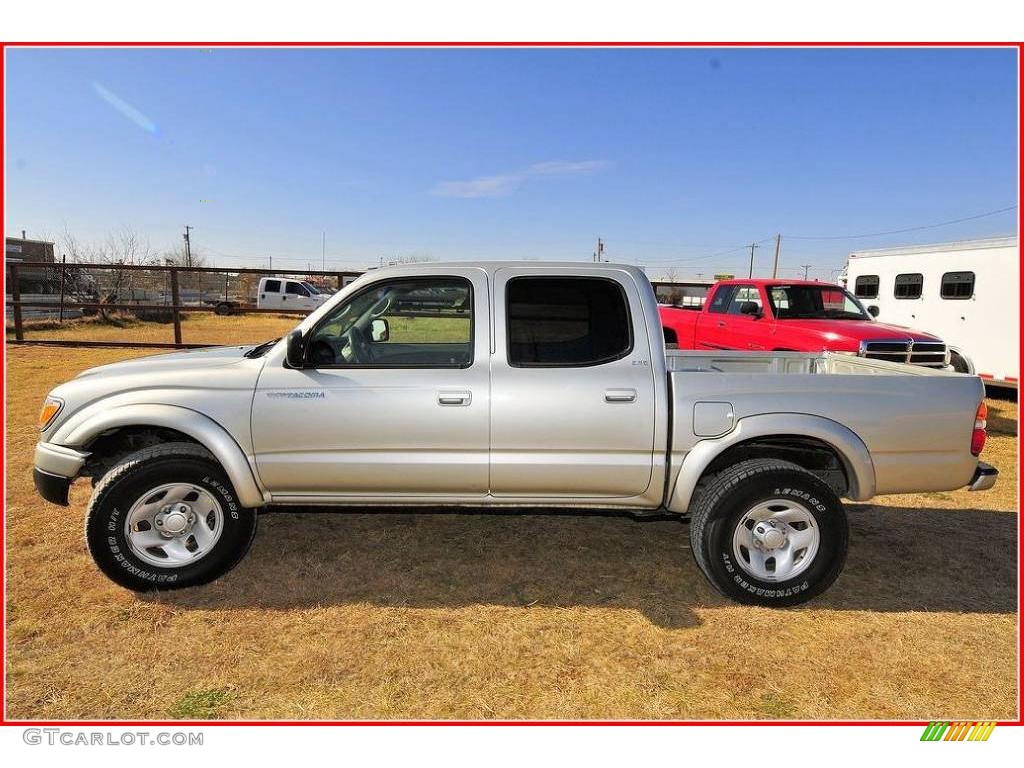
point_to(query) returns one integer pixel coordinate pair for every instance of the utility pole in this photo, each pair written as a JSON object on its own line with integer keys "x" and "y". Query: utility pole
{"x": 750, "y": 274}
{"x": 599, "y": 254}
{"x": 323, "y": 251}
{"x": 775, "y": 264}
{"x": 188, "y": 246}
{"x": 271, "y": 266}
{"x": 806, "y": 267}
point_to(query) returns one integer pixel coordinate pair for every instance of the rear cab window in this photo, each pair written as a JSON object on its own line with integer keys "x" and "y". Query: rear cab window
{"x": 557, "y": 322}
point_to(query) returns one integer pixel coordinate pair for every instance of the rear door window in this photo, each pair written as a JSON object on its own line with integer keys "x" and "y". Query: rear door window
{"x": 566, "y": 322}
{"x": 272, "y": 286}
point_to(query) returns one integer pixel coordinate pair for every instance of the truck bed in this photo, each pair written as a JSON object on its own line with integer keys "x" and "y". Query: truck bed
{"x": 727, "y": 361}
{"x": 916, "y": 422}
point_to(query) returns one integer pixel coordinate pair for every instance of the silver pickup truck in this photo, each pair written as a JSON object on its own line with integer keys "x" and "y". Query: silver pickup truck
{"x": 520, "y": 385}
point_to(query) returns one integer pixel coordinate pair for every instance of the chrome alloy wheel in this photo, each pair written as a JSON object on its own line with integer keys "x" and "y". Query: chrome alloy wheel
{"x": 776, "y": 540}
{"x": 173, "y": 525}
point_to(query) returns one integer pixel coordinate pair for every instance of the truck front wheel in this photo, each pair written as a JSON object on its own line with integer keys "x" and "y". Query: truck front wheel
{"x": 166, "y": 518}
{"x": 768, "y": 532}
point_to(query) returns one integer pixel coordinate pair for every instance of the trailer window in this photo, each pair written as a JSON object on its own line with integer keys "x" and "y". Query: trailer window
{"x": 909, "y": 286}
{"x": 866, "y": 287}
{"x": 957, "y": 285}
{"x": 566, "y": 322}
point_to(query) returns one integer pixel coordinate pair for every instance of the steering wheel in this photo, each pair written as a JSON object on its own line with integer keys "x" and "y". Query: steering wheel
{"x": 359, "y": 346}
{"x": 322, "y": 353}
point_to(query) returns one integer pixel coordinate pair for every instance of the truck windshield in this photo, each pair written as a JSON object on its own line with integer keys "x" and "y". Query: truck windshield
{"x": 817, "y": 302}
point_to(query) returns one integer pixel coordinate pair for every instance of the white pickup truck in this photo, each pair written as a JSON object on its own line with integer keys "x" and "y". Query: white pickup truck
{"x": 503, "y": 385}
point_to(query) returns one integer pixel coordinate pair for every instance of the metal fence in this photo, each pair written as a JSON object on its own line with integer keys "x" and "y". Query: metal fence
{"x": 42, "y": 291}
{"x": 61, "y": 291}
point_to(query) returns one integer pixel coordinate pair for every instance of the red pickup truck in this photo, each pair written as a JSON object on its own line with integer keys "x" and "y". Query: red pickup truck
{"x": 795, "y": 316}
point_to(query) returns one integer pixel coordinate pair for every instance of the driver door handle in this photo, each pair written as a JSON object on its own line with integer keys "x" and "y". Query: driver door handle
{"x": 454, "y": 398}
{"x": 620, "y": 395}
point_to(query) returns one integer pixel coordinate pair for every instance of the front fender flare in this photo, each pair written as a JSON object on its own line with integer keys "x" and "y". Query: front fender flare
{"x": 860, "y": 470}
{"x": 83, "y": 428}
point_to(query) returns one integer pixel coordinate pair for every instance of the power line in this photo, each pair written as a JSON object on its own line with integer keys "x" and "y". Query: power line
{"x": 673, "y": 260}
{"x": 906, "y": 229}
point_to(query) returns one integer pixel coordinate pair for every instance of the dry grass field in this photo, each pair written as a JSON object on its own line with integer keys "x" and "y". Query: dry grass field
{"x": 351, "y": 615}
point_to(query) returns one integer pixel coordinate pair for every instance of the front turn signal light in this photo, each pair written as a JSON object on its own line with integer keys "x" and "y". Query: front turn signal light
{"x": 51, "y": 407}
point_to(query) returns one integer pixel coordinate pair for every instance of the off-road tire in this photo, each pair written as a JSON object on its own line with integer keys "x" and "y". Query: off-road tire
{"x": 132, "y": 477}
{"x": 722, "y": 502}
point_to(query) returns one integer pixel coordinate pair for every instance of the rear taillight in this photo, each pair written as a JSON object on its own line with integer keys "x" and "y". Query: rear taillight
{"x": 978, "y": 435}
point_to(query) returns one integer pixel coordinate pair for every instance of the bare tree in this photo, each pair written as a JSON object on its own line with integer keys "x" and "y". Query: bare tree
{"x": 123, "y": 247}
{"x": 674, "y": 294}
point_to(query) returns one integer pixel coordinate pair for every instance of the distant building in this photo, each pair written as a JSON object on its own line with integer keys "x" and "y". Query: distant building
{"x": 28, "y": 250}
{"x": 31, "y": 279}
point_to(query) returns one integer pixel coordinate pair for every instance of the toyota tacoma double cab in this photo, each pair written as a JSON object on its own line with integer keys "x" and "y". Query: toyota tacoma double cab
{"x": 505, "y": 385}
{"x": 796, "y": 316}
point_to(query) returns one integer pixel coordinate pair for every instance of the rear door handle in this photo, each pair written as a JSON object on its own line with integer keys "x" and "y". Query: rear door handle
{"x": 721, "y": 323}
{"x": 454, "y": 398}
{"x": 620, "y": 395}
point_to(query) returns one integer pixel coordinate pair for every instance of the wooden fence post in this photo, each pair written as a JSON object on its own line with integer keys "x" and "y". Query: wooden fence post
{"x": 19, "y": 331}
{"x": 175, "y": 304}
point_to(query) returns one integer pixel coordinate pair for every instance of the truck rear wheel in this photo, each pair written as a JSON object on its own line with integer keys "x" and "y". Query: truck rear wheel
{"x": 167, "y": 518}
{"x": 768, "y": 532}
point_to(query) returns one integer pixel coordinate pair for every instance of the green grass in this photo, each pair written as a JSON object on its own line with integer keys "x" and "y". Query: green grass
{"x": 199, "y": 705}
{"x": 776, "y": 706}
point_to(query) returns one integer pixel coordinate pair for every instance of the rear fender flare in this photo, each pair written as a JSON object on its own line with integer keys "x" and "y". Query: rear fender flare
{"x": 860, "y": 470}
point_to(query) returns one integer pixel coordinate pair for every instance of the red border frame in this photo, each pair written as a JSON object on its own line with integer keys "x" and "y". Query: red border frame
{"x": 1019, "y": 46}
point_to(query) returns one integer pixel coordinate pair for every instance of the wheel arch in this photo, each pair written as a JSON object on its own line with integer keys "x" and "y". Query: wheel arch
{"x": 97, "y": 421}
{"x": 965, "y": 357}
{"x": 791, "y": 429}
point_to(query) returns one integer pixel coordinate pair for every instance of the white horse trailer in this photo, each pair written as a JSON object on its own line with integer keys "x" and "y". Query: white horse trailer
{"x": 966, "y": 293}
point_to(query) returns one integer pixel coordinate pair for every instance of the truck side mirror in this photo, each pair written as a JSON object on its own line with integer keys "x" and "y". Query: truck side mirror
{"x": 873, "y": 310}
{"x": 380, "y": 330}
{"x": 751, "y": 308}
{"x": 295, "y": 354}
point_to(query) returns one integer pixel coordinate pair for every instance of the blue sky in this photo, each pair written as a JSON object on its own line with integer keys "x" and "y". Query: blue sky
{"x": 673, "y": 157}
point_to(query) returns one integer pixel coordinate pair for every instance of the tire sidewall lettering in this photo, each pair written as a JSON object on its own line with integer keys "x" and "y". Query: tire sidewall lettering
{"x": 107, "y": 537}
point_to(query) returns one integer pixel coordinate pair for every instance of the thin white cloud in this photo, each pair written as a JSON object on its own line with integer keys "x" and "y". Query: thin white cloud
{"x": 124, "y": 108}
{"x": 504, "y": 183}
